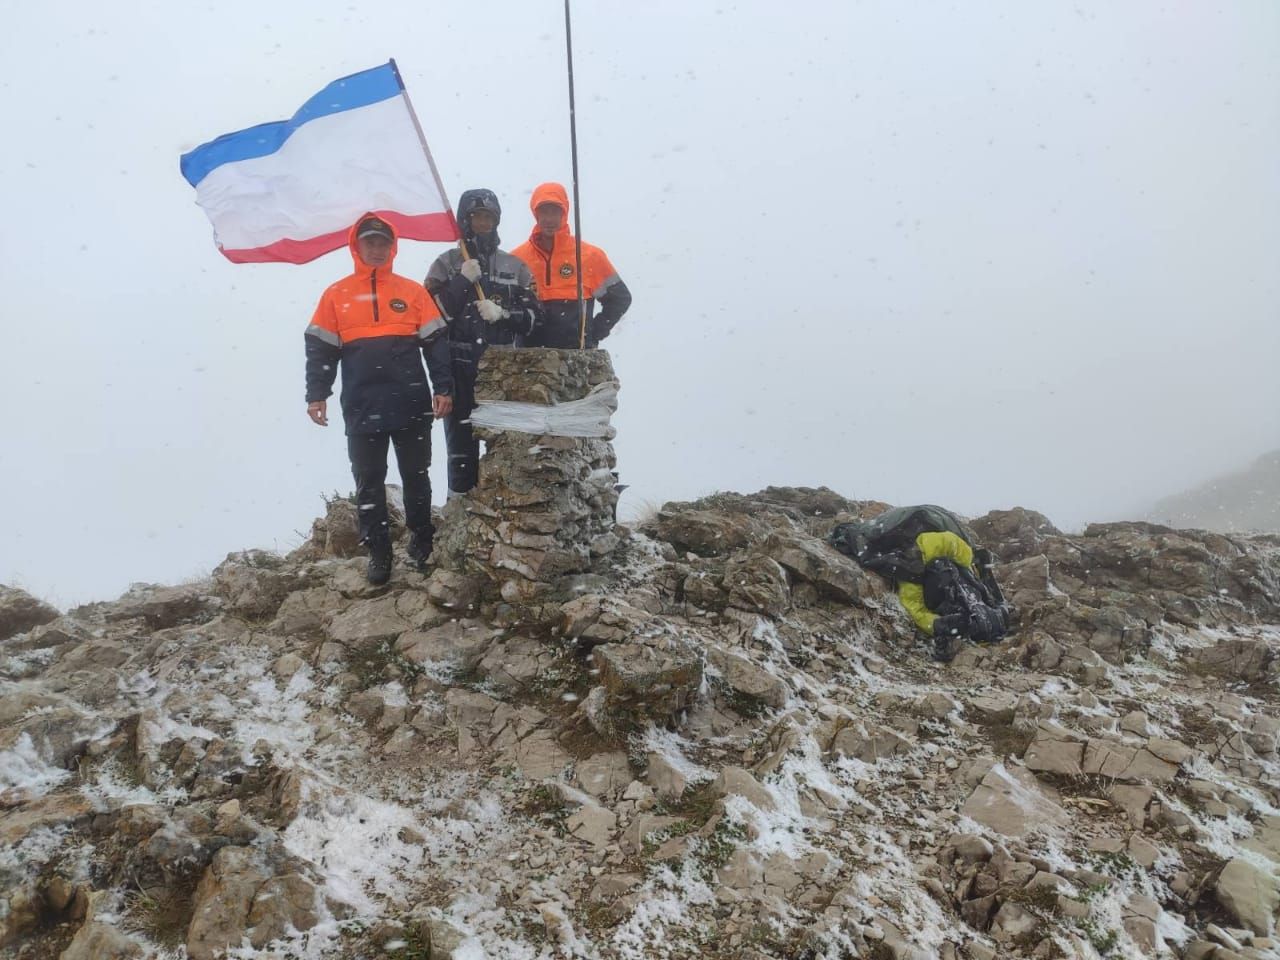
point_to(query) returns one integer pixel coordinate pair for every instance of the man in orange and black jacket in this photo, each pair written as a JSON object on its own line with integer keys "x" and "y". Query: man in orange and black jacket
{"x": 549, "y": 253}
{"x": 378, "y": 327}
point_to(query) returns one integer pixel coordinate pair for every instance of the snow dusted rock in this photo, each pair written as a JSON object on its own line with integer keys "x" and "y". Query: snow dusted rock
{"x": 1144, "y": 853}
{"x": 1026, "y": 582}
{"x": 1251, "y": 894}
{"x": 447, "y": 939}
{"x": 991, "y": 706}
{"x": 868, "y": 742}
{"x": 55, "y": 733}
{"x": 371, "y": 621}
{"x": 1019, "y": 532}
{"x": 593, "y": 824}
{"x": 539, "y": 756}
{"x": 1055, "y": 750}
{"x": 249, "y": 893}
{"x": 96, "y": 940}
{"x": 1246, "y": 660}
{"x": 20, "y": 611}
{"x": 604, "y": 775}
{"x": 667, "y": 779}
{"x": 757, "y": 583}
{"x": 160, "y": 606}
{"x": 1133, "y": 800}
{"x": 658, "y": 679}
{"x": 1157, "y": 762}
{"x": 809, "y": 559}
{"x": 61, "y": 632}
{"x": 471, "y": 713}
{"x": 1013, "y": 922}
{"x": 643, "y": 827}
{"x": 306, "y": 611}
{"x": 254, "y": 583}
{"x": 1266, "y": 839}
{"x": 458, "y": 645}
{"x": 597, "y": 619}
{"x": 969, "y": 848}
{"x": 748, "y": 680}
{"x": 516, "y": 663}
{"x": 936, "y": 706}
{"x": 454, "y": 591}
{"x": 702, "y": 532}
{"x": 1011, "y": 802}
{"x": 736, "y": 782}
{"x": 702, "y": 585}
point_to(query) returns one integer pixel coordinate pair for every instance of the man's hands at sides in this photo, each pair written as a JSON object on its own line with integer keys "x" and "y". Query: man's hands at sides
{"x": 318, "y": 410}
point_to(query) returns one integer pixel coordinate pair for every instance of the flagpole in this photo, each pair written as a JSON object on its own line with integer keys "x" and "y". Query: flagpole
{"x": 577, "y": 206}
{"x": 422, "y": 138}
{"x": 431, "y": 162}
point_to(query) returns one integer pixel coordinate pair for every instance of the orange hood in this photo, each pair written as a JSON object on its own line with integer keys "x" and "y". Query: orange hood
{"x": 550, "y": 193}
{"x": 360, "y": 265}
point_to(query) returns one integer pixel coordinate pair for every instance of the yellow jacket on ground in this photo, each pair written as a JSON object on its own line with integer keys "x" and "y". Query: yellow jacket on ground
{"x": 932, "y": 546}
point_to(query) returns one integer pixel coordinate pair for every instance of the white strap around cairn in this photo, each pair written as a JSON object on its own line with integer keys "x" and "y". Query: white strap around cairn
{"x": 588, "y": 417}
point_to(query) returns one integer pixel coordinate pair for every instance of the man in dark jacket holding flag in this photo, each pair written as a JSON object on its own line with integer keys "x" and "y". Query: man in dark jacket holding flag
{"x": 486, "y": 296}
{"x": 377, "y": 326}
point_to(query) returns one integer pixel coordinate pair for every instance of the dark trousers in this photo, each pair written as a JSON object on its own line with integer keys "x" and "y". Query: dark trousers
{"x": 464, "y": 448}
{"x": 368, "y": 453}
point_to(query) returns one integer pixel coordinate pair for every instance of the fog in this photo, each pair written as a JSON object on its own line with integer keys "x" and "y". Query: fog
{"x": 973, "y": 254}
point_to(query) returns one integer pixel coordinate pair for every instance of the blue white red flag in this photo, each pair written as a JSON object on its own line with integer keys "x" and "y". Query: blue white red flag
{"x": 289, "y": 191}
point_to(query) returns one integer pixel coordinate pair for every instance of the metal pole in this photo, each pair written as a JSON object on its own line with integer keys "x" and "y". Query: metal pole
{"x": 577, "y": 206}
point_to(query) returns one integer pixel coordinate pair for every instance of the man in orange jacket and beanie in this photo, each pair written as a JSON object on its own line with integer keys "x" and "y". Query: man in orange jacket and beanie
{"x": 378, "y": 326}
{"x": 549, "y": 253}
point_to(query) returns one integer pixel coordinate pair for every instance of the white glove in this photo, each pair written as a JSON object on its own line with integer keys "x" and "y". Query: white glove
{"x": 489, "y": 311}
{"x": 470, "y": 269}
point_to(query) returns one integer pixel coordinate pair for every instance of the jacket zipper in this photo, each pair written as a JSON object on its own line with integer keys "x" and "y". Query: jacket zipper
{"x": 373, "y": 283}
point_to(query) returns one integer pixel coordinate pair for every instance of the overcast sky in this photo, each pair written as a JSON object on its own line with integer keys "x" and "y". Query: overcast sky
{"x": 979, "y": 254}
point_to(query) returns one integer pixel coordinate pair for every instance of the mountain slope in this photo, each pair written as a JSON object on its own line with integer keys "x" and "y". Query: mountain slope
{"x": 1248, "y": 500}
{"x": 729, "y": 743}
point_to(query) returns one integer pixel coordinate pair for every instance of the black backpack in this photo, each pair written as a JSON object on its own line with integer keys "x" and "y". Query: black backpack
{"x": 887, "y": 544}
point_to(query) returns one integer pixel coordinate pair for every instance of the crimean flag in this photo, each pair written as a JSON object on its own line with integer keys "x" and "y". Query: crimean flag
{"x": 289, "y": 191}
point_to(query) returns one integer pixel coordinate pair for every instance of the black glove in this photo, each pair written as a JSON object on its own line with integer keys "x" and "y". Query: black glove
{"x": 598, "y": 328}
{"x": 953, "y": 624}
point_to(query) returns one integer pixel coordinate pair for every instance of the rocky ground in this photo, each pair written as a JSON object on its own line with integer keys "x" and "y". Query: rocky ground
{"x": 725, "y": 742}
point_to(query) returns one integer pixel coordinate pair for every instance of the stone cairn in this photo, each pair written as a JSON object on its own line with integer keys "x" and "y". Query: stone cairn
{"x": 542, "y": 514}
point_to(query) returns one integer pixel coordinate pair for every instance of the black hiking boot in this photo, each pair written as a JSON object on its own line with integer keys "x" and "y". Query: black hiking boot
{"x": 946, "y": 647}
{"x": 379, "y": 570}
{"x": 420, "y": 551}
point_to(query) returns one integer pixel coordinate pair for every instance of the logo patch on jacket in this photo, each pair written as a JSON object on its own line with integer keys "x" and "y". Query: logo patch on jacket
{"x": 566, "y": 270}
{"x": 398, "y": 305}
